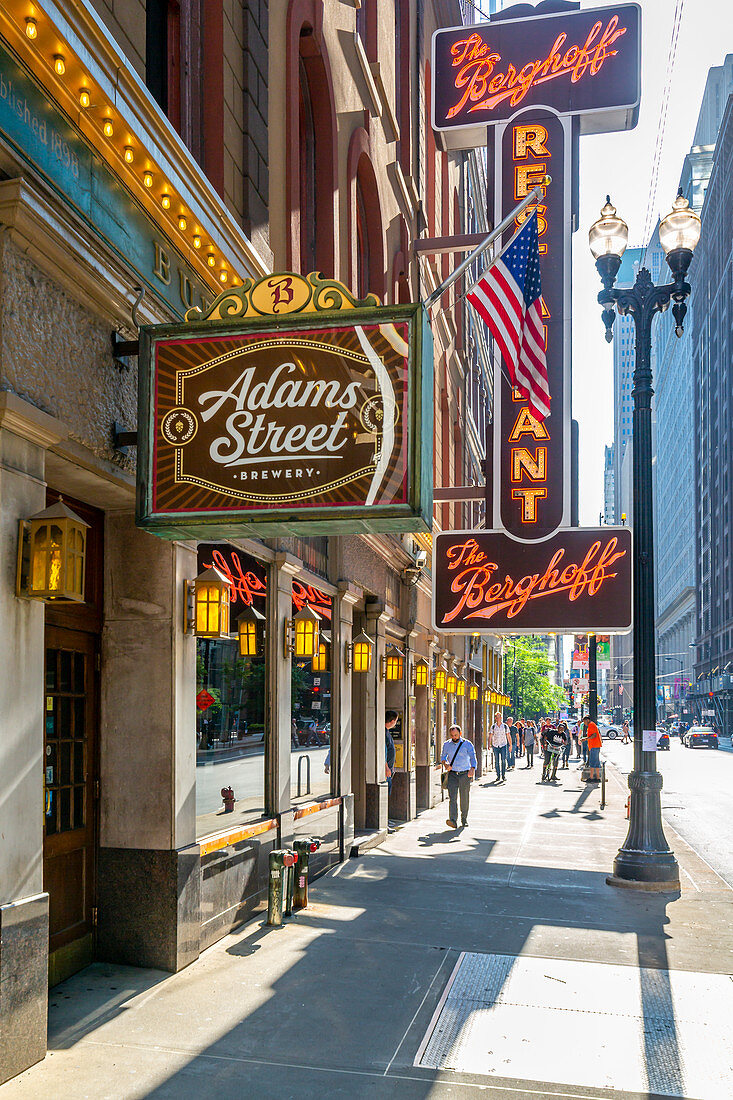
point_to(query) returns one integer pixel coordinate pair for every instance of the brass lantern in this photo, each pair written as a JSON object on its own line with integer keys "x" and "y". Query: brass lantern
{"x": 57, "y": 539}
{"x": 321, "y": 661}
{"x": 301, "y": 633}
{"x": 421, "y": 676}
{"x": 473, "y": 692}
{"x": 250, "y": 628}
{"x": 393, "y": 664}
{"x": 359, "y": 653}
{"x": 461, "y": 687}
{"x": 451, "y": 683}
{"x": 487, "y": 697}
{"x": 439, "y": 679}
{"x": 207, "y": 604}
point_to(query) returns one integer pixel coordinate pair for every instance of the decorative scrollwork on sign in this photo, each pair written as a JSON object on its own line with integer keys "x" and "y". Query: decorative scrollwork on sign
{"x": 283, "y": 293}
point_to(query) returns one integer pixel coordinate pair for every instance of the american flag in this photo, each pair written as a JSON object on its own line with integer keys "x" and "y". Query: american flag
{"x": 509, "y": 298}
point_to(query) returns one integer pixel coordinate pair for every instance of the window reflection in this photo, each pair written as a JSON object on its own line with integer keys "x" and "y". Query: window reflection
{"x": 310, "y": 727}
{"x": 231, "y": 714}
{"x": 230, "y": 735}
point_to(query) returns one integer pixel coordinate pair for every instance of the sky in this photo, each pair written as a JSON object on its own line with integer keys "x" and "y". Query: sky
{"x": 621, "y": 165}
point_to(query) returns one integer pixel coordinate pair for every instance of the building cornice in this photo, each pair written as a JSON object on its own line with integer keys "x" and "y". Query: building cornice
{"x": 81, "y": 33}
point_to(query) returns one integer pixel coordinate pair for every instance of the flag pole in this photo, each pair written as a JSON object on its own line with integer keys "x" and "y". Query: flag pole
{"x": 535, "y": 193}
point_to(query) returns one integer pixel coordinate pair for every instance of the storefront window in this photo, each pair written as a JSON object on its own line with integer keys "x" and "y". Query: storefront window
{"x": 231, "y": 711}
{"x": 310, "y": 757}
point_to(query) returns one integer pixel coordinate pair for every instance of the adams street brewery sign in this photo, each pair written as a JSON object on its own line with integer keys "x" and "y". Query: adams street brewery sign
{"x": 289, "y": 408}
{"x": 578, "y": 580}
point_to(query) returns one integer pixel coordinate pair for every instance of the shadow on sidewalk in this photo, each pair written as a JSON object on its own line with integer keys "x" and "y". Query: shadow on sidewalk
{"x": 338, "y": 1000}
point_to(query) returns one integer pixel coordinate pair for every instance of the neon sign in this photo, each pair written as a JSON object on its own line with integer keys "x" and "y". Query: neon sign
{"x": 584, "y": 63}
{"x": 578, "y": 579}
{"x": 249, "y": 580}
{"x": 478, "y": 63}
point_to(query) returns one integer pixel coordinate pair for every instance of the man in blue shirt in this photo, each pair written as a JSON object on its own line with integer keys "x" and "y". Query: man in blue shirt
{"x": 459, "y": 760}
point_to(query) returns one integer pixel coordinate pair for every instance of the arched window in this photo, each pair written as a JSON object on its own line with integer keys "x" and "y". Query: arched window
{"x": 363, "y": 258}
{"x": 367, "y": 237}
{"x": 307, "y": 174}
{"x": 311, "y": 143}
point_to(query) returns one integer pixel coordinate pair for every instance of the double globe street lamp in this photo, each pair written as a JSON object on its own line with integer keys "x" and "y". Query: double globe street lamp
{"x": 645, "y": 859}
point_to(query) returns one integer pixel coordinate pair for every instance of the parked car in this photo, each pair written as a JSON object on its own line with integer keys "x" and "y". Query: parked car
{"x": 698, "y": 736}
{"x": 609, "y": 729}
{"x": 662, "y": 739}
{"x": 310, "y": 733}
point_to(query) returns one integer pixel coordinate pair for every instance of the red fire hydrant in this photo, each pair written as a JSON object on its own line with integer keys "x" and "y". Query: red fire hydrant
{"x": 228, "y": 795}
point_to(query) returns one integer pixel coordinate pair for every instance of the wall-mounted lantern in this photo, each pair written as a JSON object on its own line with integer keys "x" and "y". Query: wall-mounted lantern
{"x": 440, "y": 677}
{"x": 393, "y": 664}
{"x": 487, "y": 697}
{"x": 250, "y": 632}
{"x": 451, "y": 683}
{"x": 461, "y": 687}
{"x": 359, "y": 653}
{"x": 301, "y": 633}
{"x": 321, "y": 658}
{"x": 52, "y": 555}
{"x": 473, "y": 693}
{"x": 421, "y": 674}
{"x": 207, "y": 604}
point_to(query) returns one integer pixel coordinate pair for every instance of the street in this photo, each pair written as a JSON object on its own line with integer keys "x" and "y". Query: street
{"x": 696, "y": 797}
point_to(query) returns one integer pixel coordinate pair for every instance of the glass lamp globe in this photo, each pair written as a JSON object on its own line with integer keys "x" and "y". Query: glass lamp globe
{"x": 680, "y": 228}
{"x": 610, "y": 234}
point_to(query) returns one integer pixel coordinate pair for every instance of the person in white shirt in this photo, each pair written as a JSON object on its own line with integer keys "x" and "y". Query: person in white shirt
{"x": 499, "y": 741}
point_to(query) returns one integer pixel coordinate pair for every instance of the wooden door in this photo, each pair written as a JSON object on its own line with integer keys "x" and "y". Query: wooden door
{"x": 69, "y": 849}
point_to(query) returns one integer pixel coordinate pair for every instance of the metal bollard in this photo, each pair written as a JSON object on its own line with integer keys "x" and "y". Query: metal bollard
{"x": 304, "y": 849}
{"x": 603, "y": 785}
{"x": 289, "y": 886}
{"x": 280, "y": 860}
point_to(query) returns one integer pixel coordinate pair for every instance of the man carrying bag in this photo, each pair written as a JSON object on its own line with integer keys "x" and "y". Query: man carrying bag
{"x": 458, "y": 758}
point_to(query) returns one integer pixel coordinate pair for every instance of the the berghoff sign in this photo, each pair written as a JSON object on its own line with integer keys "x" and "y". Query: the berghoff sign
{"x": 576, "y": 62}
{"x": 289, "y": 419}
{"x": 580, "y": 579}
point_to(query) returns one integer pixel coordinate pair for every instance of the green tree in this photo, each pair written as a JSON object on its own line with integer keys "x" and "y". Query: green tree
{"x": 527, "y": 656}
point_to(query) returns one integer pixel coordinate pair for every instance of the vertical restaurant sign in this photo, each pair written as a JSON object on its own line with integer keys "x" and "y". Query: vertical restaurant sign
{"x": 296, "y": 424}
{"x": 584, "y": 63}
{"x": 579, "y": 579}
{"x": 531, "y": 479}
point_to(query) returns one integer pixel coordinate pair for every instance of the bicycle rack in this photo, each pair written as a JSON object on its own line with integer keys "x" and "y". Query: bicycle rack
{"x": 307, "y": 760}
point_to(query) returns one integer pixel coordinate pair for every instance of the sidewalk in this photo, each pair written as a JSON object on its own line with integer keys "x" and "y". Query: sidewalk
{"x": 490, "y": 961}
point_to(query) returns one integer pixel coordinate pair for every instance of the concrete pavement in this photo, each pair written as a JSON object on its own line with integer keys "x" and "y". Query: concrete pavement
{"x": 492, "y": 960}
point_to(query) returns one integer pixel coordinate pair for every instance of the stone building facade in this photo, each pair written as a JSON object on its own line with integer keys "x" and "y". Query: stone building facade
{"x": 151, "y": 156}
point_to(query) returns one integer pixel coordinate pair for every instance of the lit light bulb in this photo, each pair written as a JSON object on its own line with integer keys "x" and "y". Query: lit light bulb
{"x": 108, "y": 128}
{"x": 129, "y": 154}
{"x": 223, "y": 276}
{"x": 85, "y": 97}
{"x": 196, "y": 241}
{"x": 31, "y": 28}
{"x": 182, "y": 223}
{"x": 165, "y": 202}
{"x": 59, "y": 64}
{"x": 211, "y": 259}
{"x": 148, "y": 179}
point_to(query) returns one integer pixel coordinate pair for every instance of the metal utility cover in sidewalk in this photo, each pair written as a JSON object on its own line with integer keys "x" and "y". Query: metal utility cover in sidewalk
{"x": 585, "y": 1024}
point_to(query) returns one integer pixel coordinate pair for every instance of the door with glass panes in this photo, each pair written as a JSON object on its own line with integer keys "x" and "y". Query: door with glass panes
{"x": 70, "y": 762}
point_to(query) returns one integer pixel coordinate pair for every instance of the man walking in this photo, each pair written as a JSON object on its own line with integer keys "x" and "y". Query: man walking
{"x": 511, "y": 734}
{"x": 529, "y": 736}
{"x": 593, "y": 735}
{"x": 459, "y": 760}
{"x": 499, "y": 739}
{"x": 554, "y": 743}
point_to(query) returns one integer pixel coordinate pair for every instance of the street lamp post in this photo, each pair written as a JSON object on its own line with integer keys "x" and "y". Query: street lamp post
{"x": 645, "y": 860}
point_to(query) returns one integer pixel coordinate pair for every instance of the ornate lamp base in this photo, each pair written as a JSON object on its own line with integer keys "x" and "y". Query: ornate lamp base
{"x": 645, "y": 862}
